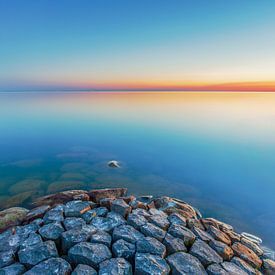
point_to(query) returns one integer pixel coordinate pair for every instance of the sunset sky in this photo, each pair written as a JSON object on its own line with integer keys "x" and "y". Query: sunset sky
{"x": 137, "y": 45}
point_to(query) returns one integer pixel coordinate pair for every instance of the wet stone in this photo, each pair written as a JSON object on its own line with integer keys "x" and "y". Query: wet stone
{"x": 183, "y": 263}
{"x": 26, "y": 229}
{"x": 52, "y": 266}
{"x": 160, "y": 221}
{"x": 216, "y": 269}
{"x": 37, "y": 212}
{"x": 32, "y": 240}
{"x": 73, "y": 223}
{"x": 39, "y": 222}
{"x": 174, "y": 244}
{"x": 105, "y": 224}
{"x": 121, "y": 207}
{"x": 35, "y": 254}
{"x": 90, "y": 254}
{"x": 83, "y": 269}
{"x": 141, "y": 212}
{"x": 205, "y": 253}
{"x": 14, "y": 269}
{"x": 117, "y": 218}
{"x": 123, "y": 249}
{"x": 6, "y": 258}
{"x": 151, "y": 230}
{"x": 147, "y": 264}
{"x": 253, "y": 246}
{"x": 176, "y": 218}
{"x": 136, "y": 220}
{"x": 96, "y": 212}
{"x": 183, "y": 233}
{"x": 232, "y": 268}
{"x": 76, "y": 208}
{"x": 115, "y": 266}
{"x": 127, "y": 233}
{"x": 218, "y": 235}
{"x": 11, "y": 242}
{"x": 53, "y": 215}
{"x": 201, "y": 234}
{"x": 51, "y": 231}
{"x": 222, "y": 249}
{"x": 151, "y": 245}
{"x": 154, "y": 211}
{"x": 244, "y": 266}
{"x": 101, "y": 237}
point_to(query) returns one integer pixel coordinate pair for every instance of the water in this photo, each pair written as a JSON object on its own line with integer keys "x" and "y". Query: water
{"x": 213, "y": 150}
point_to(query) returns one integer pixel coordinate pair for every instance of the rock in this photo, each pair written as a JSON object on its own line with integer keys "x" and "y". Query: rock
{"x": 127, "y": 233}
{"x": 104, "y": 224}
{"x": 62, "y": 185}
{"x": 83, "y": 269}
{"x": 117, "y": 218}
{"x": 12, "y": 217}
{"x": 244, "y": 266}
{"x": 17, "y": 199}
{"x": 160, "y": 221}
{"x": 53, "y": 215}
{"x": 128, "y": 199}
{"x": 32, "y": 240}
{"x": 51, "y": 266}
{"x": 33, "y": 255}
{"x": 218, "y": 235}
{"x": 252, "y": 238}
{"x": 222, "y": 249}
{"x": 195, "y": 223}
{"x": 147, "y": 264}
{"x": 115, "y": 266}
{"x": 136, "y": 220}
{"x": 173, "y": 244}
{"x": 151, "y": 230}
{"x": 74, "y": 236}
{"x": 201, "y": 234}
{"x": 106, "y": 202}
{"x": 268, "y": 253}
{"x": 246, "y": 254}
{"x": 14, "y": 269}
{"x": 36, "y": 213}
{"x": 121, "y": 207}
{"x": 10, "y": 241}
{"x": 232, "y": 268}
{"x": 73, "y": 223}
{"x": 26, "y": 185}
{"x": 101, "y": 237}
{"x": 76, "y": 208}
{"x": 151, "y": 245}
{"x": 51, "y": 231}
{"x": 183, "y": 263}
{"x": 6, "y": 258}
{"x": 96, "y": 212}
{"x": 26, "y": 229}
{"x": 137, "y": 204}
{"x": 113, "y": 164}
{"x": 205, "y": 253}
{"x": 176, "y": 218}
{"x": 268, "y": 267}
{"x": 210, "y": 222}
{"x": 89, "y": 253}
{"x": 235, "y": 237}
{"x": 183, "y": 233}
{"x": 253, "y": 246}
{"x": 123, "y": 249}
{"x": 216, "y": 269}
{"x": 39, "y": 222}
{"x": 97, "y": 195}
{"x": 154, "y": 211}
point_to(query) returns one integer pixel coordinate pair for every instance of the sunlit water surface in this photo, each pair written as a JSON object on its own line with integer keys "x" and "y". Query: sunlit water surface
{"x": 213, "y": 150}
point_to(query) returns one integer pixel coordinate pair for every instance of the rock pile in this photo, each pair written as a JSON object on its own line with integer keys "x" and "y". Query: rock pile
{"x": 105, "y": 232}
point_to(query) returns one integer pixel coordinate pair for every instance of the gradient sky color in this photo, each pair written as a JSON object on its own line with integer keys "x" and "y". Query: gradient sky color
{"x": 145, "y": 44}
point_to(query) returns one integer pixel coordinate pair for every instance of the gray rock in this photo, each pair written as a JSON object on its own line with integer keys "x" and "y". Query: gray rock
{"x": 147, "y": 264}
{"x": 102, "y": 237}
{"x": 11, "y": 242}
{"x": 232, "y": 268}
{"x": 174, "y": 244}
{"x": 141, "y": 212}
{"x": 151, "y": 245}
{"x": 54, "y": 215}
{"x": 102, "y": 223}
{"x": 176, "y": 218}
{"x": 183, "y": 263}
{"x": 39, "y": 222}
{"x": 51, "y": 231}
{"x": 201, "y": 234}
{"x": 115, "y": 266}
{"x": 75, "y": 236}
{"x": 113, "y": 164}
{"x": 160, "y": 221}
{"x": 183, "y": 233}
{"x": 52, "y": 266}
{"x": 116, "y": 217}
{"x": 26, "y": 229}
{"x": 244, "y": 266}
{"x": 83, "y": 269}
{"x": 121, "y": 207}
{"x": 14, "y": 269}
{"x": 7, "y": 258}
{"x": 36, "y": 213}
{"x": 123, "y": 249}
{"x": 89, "y": 253}
{"x": 33, "y": 255}
{"x": 195, "y": 222}
{"x": 96, "y": 212}
{"x": 205, "y": 253}
{"x": 154, "y": 211}
{"x": 127, "y": 233}
{"x": 222, "y": 249}
{"x": 151, "y": 230}
{"x": 136, "y": 220}
{"x": 216, "y": 269}
{"x": 268, "y": 266}
{"x": 76, "y": 208}
{"x": 73, "y": 223}
{"x": 33, "y": 239}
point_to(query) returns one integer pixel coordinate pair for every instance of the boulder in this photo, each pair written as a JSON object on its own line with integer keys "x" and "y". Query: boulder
{"x": 176, "y": 218}
{"x": 216, "y": 269}
{"x": 222, "y": 249}
{"x": 53, "y": 215}
{"x": 151, "y": 230}
{"x": 218, "y": 235}
{"x": 115, "y": 266}
{"x": 101, "y": 237}
{"x": 76, "y": 208}
{"x": 73, "y": 223}
{"x": 97, "y": 195}
{"x": 123, "y": 249}
{"x": 151, "y": 245}
{"x": 201, "y": 234}
{"x": 244, "y": 266}
{"x": 89, "y": 253}
{"x": 96, "y": 212}
{"x": 52, "y": 266}
{"x": 183, "y": 263}
{"x": 268, "y": 266}
{"x": 36, "y": 213}
{"x": 183, "y": 233}
{"x": 14, "y": 269}
{"x": 32, "y": 240}
{"x": 160, "y": 221}
{"x": 232, "y": 268}
{"x": 154, "y": 211}
{"x": 113, "y": 164}
{"x": 136, "y": 220}
{"x": 51, "y": 231}
{"x": 141, "y": 212}
{"x": 147, "y": 264}
{"x": 195, "y": 223}
{"x": 173, "y": 244}
{"x": 7, "y": 258}
{"x": 121, "y": 207}
{"x": 127, "y": 233}
{"x": 252, "y": 245}
{"x": 83, "y": 269}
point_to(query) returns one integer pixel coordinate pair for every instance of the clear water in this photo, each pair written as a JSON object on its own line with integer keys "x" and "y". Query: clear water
{"x": 213, "y": 150}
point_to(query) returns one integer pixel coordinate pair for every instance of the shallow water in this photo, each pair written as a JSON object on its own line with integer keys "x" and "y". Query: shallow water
{"x": 213, "y": 150}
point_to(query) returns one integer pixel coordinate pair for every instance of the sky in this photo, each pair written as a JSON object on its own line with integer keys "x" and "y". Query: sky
{"x": 137, "y": 45}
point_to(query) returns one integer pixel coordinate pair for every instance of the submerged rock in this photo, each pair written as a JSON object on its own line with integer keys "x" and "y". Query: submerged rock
{"x": 97, "y": 195}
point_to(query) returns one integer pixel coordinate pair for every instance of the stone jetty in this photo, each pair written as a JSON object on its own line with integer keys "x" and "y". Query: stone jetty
{"x": 107, "y": 232}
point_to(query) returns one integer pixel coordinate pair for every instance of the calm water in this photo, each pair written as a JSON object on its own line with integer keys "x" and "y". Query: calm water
{"x": 214, "y": 150}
